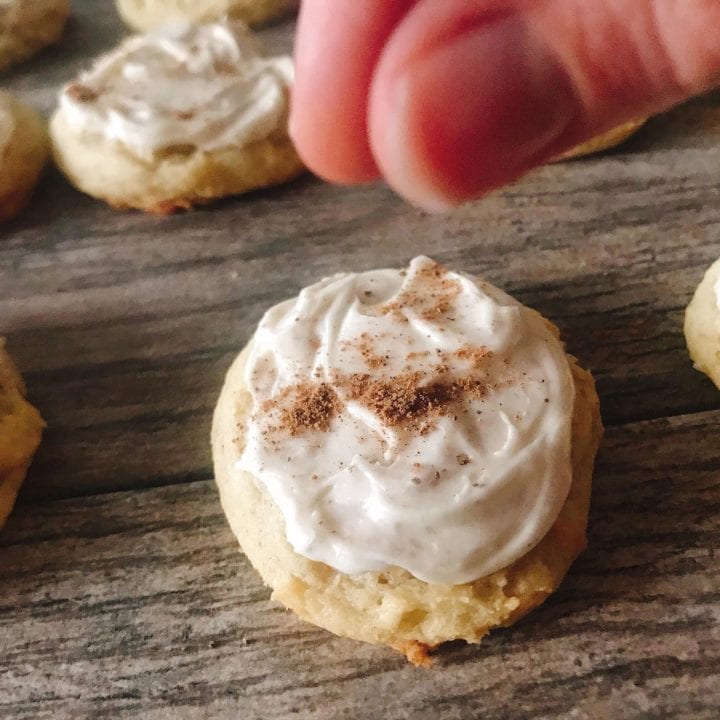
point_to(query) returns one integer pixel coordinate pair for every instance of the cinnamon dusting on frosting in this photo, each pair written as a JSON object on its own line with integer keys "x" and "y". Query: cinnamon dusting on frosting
{"x": 476, "y": 355}
{"x": 224, "y": 68}
{"x": 313, "y": 408}
{"x": 81, "y": 93}
{"x": 303, "y": 407}
{"x": 410, "y": 398}
{"x": 371, "y": 358}
{"x": 422, "y": 397}
{"x": 402, "y": 398}
{"x": 435, "y": 302}
{"x": 406, "y": 399}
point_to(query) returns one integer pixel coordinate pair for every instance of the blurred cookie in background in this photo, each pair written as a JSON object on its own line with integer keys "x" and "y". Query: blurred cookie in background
{"x": 702, "y": 325}
{"x": 610, "y": 139}
{"x": 20, "y": 432}
{"x": 27, "y": 26}
{"x": 176, "y": 118}
{"x": 24, "y": 150}
{"x": 146, "y": 15}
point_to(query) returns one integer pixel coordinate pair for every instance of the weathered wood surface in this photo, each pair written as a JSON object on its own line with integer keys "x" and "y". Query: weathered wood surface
{"x": 136, "y": 604}
{"x": 124, "y": 324}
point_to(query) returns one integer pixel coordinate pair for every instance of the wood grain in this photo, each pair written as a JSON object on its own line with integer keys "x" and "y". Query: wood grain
{"x": 124, "y": 324}
{"x": 138, "y": 604}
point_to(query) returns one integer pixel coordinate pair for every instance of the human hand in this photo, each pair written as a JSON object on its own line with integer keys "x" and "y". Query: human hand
{"x": 448, "y": 99}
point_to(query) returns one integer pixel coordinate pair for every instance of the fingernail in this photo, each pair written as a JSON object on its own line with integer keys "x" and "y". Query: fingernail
{"x": 470, "y": 114}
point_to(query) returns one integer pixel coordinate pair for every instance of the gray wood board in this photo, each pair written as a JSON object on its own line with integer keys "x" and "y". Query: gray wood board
{"x": 138, "y": 604}
{"x": 124, "y": 324}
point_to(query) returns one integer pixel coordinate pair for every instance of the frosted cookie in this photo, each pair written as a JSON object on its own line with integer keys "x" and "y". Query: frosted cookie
{"x": 24, "y": 149}
{"x": 702, "y": 325}
{"x": 20, "y": 430}
{"x": 27, "y": 26}
{"x": 146, "y": 15}
{"x": 607, "y": 140}
{"x": 406, "y": 456}
{"x": 177, "y": 118}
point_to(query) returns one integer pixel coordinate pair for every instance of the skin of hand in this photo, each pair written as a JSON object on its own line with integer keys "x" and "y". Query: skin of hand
{"x": 449, "y": 99}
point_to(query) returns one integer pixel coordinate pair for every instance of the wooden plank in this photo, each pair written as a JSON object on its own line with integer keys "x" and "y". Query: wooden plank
{"x": 124, "y": 324}
{"x": 94, "y": 27}
{"x": 138, "y": 604}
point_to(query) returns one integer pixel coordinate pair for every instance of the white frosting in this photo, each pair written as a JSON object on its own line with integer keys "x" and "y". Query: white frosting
{"x": 449, "y": 497}
{"x": 717, "y": 293}
{"x": 203, "y": 86}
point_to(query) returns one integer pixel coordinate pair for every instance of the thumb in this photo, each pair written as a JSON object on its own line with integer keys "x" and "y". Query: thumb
{"x": 469, "y": 95}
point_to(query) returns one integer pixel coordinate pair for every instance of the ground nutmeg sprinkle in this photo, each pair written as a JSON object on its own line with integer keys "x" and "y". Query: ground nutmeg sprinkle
{"x": 313, "y": 407}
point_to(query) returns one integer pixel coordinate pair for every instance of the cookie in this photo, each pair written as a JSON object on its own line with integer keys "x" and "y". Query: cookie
{"x": 20, "y": 431}
{"x": 607, "y": 140}
{"x": 24, "y": 150}
{"x": 146, "y": 15}
{"x": 27, "y": 26}
{"x": 177, "y": 118}
{"x": 702, "y": 325}
{"x": 406, "y": 456}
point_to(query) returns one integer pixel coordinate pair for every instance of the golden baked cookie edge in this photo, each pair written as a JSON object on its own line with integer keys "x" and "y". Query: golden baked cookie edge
{"x": 392, "y": 607}
{"x": 40, "y": 25}
{"x": 21, "y": 427}
{"x": 702, "y": 326}
{"x": 610, "y": 139}
{"x": 146, "y": 15}
{"x": 174, "y": 181}
{"x": 24, "y": 158}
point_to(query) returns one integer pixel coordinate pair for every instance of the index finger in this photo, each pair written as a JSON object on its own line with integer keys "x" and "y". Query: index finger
{"x": 337, "y": 48}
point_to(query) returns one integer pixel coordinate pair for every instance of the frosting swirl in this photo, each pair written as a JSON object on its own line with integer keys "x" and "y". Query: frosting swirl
{"x": 205, "y": 86}
{"x": 416, "y": 418}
